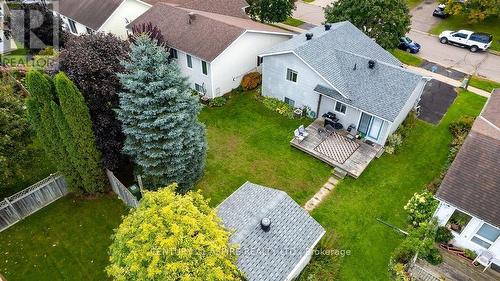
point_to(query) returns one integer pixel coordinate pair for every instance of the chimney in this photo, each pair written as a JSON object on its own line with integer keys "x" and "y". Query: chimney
{"x": 192, "y": 16}
{"x": 309, "y": 36}
{"x": 327, "y": 26}
{"x": 371, "y": 64}
{"x": 265, "y": 224}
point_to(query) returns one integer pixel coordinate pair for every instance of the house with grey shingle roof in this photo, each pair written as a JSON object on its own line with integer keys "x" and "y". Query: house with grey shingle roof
{"x": 276, "y": 237}
{"x": 337, "y": 68}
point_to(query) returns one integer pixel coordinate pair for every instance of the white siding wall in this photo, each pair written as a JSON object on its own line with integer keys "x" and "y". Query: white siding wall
{"x": 195, "y": 74}
{"x": 240, "y": 58}
{"x": 414, "y": 99}
{"x": 463, "y": 239}
{"x": 275, "y": 84}
{"x": 6, "y": 45}
{"x": 128, "y": 11}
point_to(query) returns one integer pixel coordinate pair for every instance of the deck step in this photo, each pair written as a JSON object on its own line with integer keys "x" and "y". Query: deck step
{"x": 339, "y": 173}
{"x": 380, "y": 152}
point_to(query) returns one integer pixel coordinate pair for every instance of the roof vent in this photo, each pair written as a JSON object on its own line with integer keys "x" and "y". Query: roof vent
{"x": 327, "y": 26}
{"x": 309, "y": 36}
{"x": 192, "y": 16}
{"x": 265, "y": 224}
{"x": 371, "y": 64}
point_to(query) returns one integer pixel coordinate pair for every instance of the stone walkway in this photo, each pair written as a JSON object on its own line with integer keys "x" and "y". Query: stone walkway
{"x": 321, "y": 194}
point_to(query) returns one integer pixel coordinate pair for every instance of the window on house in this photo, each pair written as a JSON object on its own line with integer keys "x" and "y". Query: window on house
{"x": 486, "y": 235}
{"x": 340, "y": 107}
{"x": 89, "y": 31}
{"x": 72, "y": 26}
{"x": 204, "y": 67}
{"x": 458, "y": 221}
{"x": 199, "y": 88}
{"x": 173, "y": 53}
{"x": 290, "y": 101}
{"x": 189, "y": 61}
{"x": 291, "y": 75}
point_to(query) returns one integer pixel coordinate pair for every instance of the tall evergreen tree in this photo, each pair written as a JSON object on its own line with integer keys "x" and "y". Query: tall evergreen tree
{"x": 160, "y": 118}
{"x": 79, "y": 128}
{"x": 42, "y": 120}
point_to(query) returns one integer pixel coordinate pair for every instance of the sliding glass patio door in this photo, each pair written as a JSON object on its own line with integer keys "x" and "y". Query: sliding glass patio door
{"x": 370, "y": 125}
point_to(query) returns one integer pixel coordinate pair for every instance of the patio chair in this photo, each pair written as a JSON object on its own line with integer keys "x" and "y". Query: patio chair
{"x": 485, "y": 259}
{"x": 302, "y": 131}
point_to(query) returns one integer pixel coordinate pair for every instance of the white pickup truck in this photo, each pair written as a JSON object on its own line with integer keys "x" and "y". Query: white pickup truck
{"x": 475, "y": 41}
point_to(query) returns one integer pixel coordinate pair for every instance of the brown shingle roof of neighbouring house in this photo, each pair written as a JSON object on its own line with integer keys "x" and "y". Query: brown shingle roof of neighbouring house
{"x": 472, "y": 183}
{"x": 233, "y": 8}
{"x": 91, "y": 13}
{"x": 206, "y": 36}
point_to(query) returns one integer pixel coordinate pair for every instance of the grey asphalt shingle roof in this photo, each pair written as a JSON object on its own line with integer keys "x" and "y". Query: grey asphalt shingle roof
{"x": 268, "y": 255}
{"x": 341, "y": 57}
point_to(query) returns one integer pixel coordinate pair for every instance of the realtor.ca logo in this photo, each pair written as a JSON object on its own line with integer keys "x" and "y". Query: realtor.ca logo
{"x": 31, "y": 33}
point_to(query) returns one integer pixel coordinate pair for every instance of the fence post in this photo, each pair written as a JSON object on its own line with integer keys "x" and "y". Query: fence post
{"x": 13, "y": 209}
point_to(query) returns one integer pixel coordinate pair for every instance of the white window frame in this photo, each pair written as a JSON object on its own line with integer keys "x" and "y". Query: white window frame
{"x": 201, "y": 89}
{"x": 292, "y": 72}
{"x": 173, "y": 53}
{"x": 287, "y": 98}
{"x": 72, "y": 25}
{"x": 189, "y": 61}
{"x": 341, "y": 105}
{"x": 484, "y": 239}
{"x": 204, "y": 63}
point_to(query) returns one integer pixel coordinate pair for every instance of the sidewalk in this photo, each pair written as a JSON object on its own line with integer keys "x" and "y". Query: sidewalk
{"x": 447, "y": 80}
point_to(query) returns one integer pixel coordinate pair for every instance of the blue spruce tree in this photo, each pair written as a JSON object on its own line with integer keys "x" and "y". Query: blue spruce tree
{"x": 160, "y": 118}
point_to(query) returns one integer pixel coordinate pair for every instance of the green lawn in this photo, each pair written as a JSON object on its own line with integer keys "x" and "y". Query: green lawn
{"x": 413, "y": 3}
{"x": 67, "y": 240}
{"x": 406, "y": 57}
{"x": 248, "y": 142}
{"x": 382, "y": 191}
{"x": 293, "y": 22}
{"x": 483, "y": 84}
{"x": 490, "y": 26}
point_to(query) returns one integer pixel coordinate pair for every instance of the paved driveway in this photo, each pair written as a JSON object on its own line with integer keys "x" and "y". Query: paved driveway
{"x": 309, "y": 13}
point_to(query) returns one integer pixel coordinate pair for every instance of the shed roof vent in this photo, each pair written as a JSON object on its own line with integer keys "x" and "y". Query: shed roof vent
{"x": 371, "y": 64}
{"x": 327, "y": 26}
{"x": 309, "y": 36}
{"x": 265, "y": 224}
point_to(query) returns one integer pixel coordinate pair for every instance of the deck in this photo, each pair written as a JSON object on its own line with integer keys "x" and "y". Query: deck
{"x": 350, "y": 155}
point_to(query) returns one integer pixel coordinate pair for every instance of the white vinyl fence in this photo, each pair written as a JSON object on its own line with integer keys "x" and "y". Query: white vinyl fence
{"x": 123, "y": 193}
{"x": 24, "y": 203}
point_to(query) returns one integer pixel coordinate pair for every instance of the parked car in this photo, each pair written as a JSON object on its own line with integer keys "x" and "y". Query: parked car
{"x": 475, "y": 41}
{"x": 439, "y": 11}
{"x": 406, "y": 44}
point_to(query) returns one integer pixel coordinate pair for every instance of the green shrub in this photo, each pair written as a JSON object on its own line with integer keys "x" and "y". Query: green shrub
{"x": 420, "y": 208}
{"x": 433, "y": 186}
{"x": 394, "y": 141}
{"x": 462, "y": 126}
{"x": 434, "y": 257}
{"x": 217, "y": 102}
{"x": 276, "y": 105}
{"x": 398, "y": 271}
{"x": 443, "y": 235}
{"x": 470, "y": 254}
{"x": 251, "y": 81}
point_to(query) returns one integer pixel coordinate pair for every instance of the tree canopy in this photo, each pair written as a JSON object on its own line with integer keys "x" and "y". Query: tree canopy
{"x": 91, "y": 62}
{"x": 172, "y": 237}
{"x": 383, "y": 20}
{"x": 474, "y": 10}
{"x": 160, "y": 118}
{"x": 271, "y": 10}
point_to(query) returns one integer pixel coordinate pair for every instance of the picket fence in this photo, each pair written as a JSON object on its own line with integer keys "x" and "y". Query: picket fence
{"x": 123, "y": 193}
{"x": 27, "y": 201}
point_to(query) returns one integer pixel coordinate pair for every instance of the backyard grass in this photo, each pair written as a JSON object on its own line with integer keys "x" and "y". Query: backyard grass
{"x": 413, "y": 3}
{"x": 490, "y": 26}
{"x": 483, "y": 84}
{"x": 67, "y": 240}
{"x": 406, "y": 57}
{"x": 382, "y": 191}
{"x": 248, "y": 142}
{"x": 293, "y": 22}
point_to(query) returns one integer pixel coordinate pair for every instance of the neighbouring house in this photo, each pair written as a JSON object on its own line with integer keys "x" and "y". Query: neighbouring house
{"x": 337, "y": 68}
{"x": 7, "y": 43}
{"x": 213, "y": 50}
{"x": 85, "y": 17}
{"x": 470, "y": 192}
{"x": 276, "y": 237}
